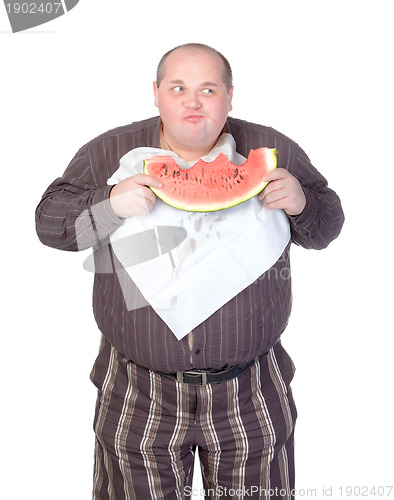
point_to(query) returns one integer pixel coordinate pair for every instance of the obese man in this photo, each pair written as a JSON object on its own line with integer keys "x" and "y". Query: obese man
{"x": 224, "y": 387}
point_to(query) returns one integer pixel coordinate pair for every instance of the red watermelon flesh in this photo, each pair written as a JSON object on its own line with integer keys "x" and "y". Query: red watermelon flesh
{"x": 209, "y": 186}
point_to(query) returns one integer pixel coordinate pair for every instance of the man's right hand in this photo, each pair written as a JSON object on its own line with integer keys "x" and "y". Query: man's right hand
{"x": 132, "y": 196}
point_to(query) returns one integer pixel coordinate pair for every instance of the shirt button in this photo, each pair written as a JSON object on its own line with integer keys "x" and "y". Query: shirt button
{"x": 197, "y": 351}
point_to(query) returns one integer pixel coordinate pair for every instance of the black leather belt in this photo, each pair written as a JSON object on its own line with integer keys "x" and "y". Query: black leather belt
{"x": 203, "y": 377}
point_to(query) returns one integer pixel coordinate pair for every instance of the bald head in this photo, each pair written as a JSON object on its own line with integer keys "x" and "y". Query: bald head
{"x": 194, "y": 47}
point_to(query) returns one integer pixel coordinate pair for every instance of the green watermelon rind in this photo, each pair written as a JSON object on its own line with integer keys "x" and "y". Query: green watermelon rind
{"x": 213, "y": 208}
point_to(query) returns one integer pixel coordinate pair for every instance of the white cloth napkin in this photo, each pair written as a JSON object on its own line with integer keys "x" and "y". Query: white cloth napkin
{"x": 219, "y": 253}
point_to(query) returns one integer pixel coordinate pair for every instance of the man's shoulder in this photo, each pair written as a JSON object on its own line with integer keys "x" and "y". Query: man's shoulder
{"x": 257, "y": 132}
{"x": 145, "y": 130}
{"x": 237, "y": 123}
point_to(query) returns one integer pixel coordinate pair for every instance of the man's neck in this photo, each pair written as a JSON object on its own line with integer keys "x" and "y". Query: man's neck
{"x": 188, "y": 155}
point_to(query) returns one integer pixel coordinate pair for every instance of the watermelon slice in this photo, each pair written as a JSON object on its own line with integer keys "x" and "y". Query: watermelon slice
{"x": 209, "y": 186}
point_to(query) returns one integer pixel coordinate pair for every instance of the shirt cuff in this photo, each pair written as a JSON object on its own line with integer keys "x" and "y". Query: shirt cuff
{"x": 105, "y": 219}
{"x": 308, "y": 215}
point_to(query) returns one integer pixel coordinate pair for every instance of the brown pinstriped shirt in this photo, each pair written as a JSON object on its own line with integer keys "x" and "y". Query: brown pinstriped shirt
{"x": 74, "y": 214}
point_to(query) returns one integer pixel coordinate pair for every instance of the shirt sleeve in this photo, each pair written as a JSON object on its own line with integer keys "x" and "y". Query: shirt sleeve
{"x": 74, "y": 212}
{"x": 322, "y": 218}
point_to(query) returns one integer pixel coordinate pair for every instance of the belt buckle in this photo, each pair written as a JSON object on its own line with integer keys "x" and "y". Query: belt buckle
{"x": 179, "y": 376}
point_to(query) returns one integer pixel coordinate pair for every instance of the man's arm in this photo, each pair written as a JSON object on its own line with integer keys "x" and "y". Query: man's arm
{"x": 74, "y": 212}
{"x": 314, "y": 210}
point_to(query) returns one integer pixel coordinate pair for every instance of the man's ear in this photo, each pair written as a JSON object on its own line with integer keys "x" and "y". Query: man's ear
{"x": 230, "y": 99}
{"x": 155, "y": 90}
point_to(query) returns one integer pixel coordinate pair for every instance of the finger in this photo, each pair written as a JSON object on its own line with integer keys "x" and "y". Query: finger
{"x": 143, "y": 204}
{"x": 277, "y": 173}
{"x": 277, "y": 204}
{"x": 146, "y": 194}
{"x": 140, "y": 210}
{"x": 147, "y": 180}
{"x": 271, "y": 187}
{"x": 276, "y": 199}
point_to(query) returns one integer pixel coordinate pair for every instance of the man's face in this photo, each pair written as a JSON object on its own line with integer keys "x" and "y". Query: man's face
{"x": 193, "y": 101}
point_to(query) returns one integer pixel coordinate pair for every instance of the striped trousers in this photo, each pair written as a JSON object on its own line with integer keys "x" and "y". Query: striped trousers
{"x": 148, "y": 428}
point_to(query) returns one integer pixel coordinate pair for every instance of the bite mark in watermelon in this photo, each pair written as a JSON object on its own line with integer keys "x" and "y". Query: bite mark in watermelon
{"x": 209, "y": 186}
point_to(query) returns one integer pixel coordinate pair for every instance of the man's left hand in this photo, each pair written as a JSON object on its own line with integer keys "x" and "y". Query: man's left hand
{"x": 283, "y": 191}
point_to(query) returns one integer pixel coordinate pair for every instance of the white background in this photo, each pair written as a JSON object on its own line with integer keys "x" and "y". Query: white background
{"x": 320, "y": 72}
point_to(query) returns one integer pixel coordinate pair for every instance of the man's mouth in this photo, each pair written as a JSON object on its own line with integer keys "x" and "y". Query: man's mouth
{"x": 194, "y": 118}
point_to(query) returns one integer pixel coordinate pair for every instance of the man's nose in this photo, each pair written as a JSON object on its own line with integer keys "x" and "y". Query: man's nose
{"x": 192, "y": 101}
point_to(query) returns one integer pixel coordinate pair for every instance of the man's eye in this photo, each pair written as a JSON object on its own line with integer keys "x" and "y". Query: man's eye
{"x": 207, "y": 91}
{"x": 178, "y": 89}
